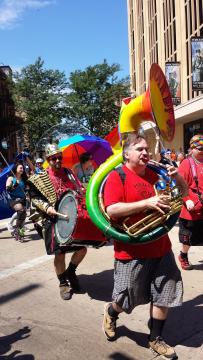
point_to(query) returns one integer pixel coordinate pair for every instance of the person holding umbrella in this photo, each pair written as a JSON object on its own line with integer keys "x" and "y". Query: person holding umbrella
{"x": 85, "y": 168}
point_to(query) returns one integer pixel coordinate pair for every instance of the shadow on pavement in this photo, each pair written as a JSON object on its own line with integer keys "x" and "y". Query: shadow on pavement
{"x": 7, "y": 237}
{"x": 12, "y": 295}
{"x": 32, "y": 237}
{"x": 140, "y": 338}
{"x": 98, "y": 286}
{"x": 120, "y": 356}
{"x": 184, "y": 325}
{"x": 198, "y": 266}
{"x": 7, "y": 341}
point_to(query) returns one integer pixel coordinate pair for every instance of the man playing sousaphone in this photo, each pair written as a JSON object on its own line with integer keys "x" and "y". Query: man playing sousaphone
{"x": 146, "y": 273}
{"x": 46, "y": 188}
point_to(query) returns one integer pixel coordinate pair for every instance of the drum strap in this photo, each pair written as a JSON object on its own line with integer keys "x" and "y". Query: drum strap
{"x": 78, "y": 186}
{"x": 195, "y": 177}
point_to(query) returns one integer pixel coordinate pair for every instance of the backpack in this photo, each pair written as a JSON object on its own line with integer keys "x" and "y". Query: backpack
{"x": 121, "y": 173}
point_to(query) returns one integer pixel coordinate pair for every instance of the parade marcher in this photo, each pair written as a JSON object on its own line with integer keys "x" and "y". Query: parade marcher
{"x": 180, "y": 158}
{"x": 84, "y": 169}
{"x": 173, "y": 155}
{"x": 146, "y": 273}
{"x": 16, "y": 189}
{"x": 38, "y": 167}
{"x": 191, "y": 216}
{"x": 57, "y": 180}
{"x": 166, "y": 158}
{"x": 163, "y": 156}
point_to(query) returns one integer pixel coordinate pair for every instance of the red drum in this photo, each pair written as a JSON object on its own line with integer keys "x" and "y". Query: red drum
{"x": 77, "y": 229}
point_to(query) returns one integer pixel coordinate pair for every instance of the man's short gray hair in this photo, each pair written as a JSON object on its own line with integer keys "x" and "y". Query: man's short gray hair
{"x": 129, "y": 139}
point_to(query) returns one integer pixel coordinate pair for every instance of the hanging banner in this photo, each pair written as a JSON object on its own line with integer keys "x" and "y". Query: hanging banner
{"x": 197, "y": 63}
{"x": 172, "y": 72}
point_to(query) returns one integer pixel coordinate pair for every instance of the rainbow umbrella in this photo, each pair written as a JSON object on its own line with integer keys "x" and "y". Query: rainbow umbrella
{"x": 76, "y": 145}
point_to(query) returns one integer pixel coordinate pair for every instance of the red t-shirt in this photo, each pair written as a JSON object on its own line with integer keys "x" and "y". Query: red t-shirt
{"x": 186, "y": 171}
{"x": 135, "y": 188}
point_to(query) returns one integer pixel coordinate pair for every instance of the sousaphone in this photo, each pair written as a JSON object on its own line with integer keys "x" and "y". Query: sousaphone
{"x": 154, "y": 105}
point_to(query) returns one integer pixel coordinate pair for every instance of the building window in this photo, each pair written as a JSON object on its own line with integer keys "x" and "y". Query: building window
{"x": 201, "y": 11}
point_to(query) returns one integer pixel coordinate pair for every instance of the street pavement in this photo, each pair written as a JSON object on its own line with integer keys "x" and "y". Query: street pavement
{"x": 36, "y": 324}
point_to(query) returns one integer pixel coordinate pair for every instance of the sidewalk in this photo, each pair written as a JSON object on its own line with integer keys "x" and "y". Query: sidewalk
{"x": 68, "y": 330}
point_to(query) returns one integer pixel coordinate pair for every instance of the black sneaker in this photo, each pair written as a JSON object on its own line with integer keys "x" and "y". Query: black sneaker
{"x": 65, "y": 291}
{"x": 74, "y": 281}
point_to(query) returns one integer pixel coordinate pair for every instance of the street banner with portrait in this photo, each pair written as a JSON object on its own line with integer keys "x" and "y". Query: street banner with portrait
{"x": 172, "y": 72}
{"x": 197, "y": 63}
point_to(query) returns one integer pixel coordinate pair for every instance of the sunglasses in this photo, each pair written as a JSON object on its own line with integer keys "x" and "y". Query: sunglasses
{"x": 54, "y": 158}
{"x": 200, "y": 148}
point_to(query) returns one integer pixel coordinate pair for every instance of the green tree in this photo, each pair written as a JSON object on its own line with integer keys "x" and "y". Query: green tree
{"x": 39, "y": 99}
{"x": 95, "y": 96}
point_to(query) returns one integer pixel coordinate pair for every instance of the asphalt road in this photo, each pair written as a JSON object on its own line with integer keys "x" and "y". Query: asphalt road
{"x": 37, "y": 324}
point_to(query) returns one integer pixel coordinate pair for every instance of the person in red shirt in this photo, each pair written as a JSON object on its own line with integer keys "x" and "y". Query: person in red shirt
{"x": 191, "y": 216}
{"x": 173, "y": 155}
{"x": 58, "y": 181}
{"x": 144, "y": 273}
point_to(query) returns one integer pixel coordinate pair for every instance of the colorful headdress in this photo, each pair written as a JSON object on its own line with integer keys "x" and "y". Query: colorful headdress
{"x": 196, "y": 141}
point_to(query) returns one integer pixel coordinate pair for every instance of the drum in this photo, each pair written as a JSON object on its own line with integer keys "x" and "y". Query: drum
{"x": 77, "y": 228}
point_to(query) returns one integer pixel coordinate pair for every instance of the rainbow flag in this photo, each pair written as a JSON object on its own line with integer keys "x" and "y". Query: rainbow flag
{"x": 114, "y": 139}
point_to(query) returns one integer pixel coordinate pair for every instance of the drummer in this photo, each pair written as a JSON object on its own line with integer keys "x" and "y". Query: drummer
{"x": 45, "y": 189}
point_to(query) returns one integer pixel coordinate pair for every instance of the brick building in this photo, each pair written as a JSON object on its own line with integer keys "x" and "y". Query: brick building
{"x": 10, "y": 123}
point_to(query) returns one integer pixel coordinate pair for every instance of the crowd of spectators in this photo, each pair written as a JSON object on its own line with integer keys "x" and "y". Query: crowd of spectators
{"x": 167, "y": 155}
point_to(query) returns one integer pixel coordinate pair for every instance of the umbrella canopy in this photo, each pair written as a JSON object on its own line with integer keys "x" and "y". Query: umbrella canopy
{"x": 76, "y": 145}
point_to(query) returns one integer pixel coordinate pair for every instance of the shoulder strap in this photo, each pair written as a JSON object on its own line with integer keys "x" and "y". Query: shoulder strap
{"x": 194, "y": 174}
{"x": 121, "y": 173}
{"x": 193, "y": 168}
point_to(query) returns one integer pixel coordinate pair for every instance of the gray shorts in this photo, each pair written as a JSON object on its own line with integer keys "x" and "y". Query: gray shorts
{"x": 140, "y": 281}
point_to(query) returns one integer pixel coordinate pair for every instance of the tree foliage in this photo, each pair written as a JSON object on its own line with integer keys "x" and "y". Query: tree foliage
{"x": 90, "y": 98}
{"x": 95, "y": 96}
{"x": 39, "y": 98}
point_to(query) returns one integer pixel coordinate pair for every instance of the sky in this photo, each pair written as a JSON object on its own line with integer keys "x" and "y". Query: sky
{"x": 68, "y": 35}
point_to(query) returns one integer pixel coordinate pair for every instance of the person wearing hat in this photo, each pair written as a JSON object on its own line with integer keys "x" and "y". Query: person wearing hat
{"x": 163, "y": 156}
{"x": 191, "y": 216}
{"x": 38, "y": 165}
{"x": 45, "y": 189}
